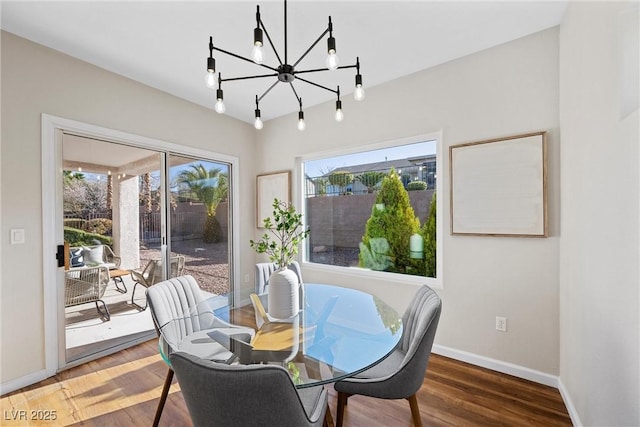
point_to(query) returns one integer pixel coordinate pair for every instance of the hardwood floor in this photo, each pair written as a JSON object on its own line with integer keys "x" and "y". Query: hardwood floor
{"x": 123, "y": 389}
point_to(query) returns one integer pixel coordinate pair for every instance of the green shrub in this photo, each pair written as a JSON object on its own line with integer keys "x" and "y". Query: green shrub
{"x": 395, "y": 223}
{"x": 341, "y": 179}
{"x": 98, "y": 226}
{"x": 429, "y": 235}
{"x": 77, "y": 237}
{"x": 416, "y": 186}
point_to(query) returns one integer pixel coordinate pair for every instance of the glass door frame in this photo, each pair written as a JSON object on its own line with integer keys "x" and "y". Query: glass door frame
{"x": 53, "y": 234}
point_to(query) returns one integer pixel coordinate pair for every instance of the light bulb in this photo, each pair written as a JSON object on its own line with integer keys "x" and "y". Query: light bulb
{"x": 220, "y": 107}
{"x": 257, "y": 53}
{"x": 339, "y": 115}
{"x": 258, "y": 123}
{"x": 332, "y": 61}
{"x": 301, "y": 125}
{"x": 358, "y": 94}
{"x": 210, "y": 79}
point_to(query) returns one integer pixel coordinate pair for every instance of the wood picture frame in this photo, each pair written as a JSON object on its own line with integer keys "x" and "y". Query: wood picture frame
{"x": 499, "y": 186}
{"x": 275, "y": 185}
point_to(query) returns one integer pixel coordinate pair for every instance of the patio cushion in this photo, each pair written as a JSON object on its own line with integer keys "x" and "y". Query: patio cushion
{"x": 93, "y": 256}
{"x": 76, "y": 257}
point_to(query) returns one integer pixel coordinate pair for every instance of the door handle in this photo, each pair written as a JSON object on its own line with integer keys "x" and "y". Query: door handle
{"x": 60, "y": 255}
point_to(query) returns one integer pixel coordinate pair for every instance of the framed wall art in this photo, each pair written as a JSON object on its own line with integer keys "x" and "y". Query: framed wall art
{"x": 499, "y": 186}
{"x": 271, "y": 186}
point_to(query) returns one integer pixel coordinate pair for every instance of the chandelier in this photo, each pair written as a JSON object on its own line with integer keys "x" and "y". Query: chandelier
{"x": 284, "y": 72}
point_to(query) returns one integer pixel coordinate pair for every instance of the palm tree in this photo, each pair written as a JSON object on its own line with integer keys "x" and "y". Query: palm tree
{"x": 70, "y": 176}
{"x": 210, "y": 187}
{"x": 370, "y": 179}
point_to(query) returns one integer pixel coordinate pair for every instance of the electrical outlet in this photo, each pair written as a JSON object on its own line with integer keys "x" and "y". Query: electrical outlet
{"x": 501, "y": 324}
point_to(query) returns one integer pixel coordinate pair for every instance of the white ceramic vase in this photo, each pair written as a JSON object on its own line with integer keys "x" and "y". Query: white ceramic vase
{"x": 284, "y": 300}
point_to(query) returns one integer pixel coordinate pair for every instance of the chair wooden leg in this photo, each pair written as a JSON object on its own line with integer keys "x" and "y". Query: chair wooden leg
{"x": 163, "y": 397}
{"x": 342, "y": 402}
{"x": 328, "y": 419}
{"x": 415, "y": 412}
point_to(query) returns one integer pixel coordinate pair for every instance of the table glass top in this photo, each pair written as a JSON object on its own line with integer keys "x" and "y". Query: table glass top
{"x": 338, "y": 333}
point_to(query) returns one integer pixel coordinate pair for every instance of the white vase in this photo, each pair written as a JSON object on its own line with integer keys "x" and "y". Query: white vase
{"x": 283, "y": 294}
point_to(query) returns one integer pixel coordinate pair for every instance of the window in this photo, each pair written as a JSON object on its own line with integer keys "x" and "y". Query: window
{"x": 370, "y": 210}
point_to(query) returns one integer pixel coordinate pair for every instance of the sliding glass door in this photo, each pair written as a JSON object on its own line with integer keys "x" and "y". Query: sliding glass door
{"x": 133, "y": 217}
{"x": 199, "y": 215}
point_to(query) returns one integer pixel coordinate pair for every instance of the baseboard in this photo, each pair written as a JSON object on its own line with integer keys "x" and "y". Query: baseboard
{"x": 573, "y": 412}
{"x": 24, "y": 381}
{"x": 498, "y": 365}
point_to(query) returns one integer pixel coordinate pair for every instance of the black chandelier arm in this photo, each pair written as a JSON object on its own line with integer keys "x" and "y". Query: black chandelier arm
{"x": 315, "y": 70}
{"x": 344, "y": 67}
{"x": 296, "y": 95}
{"x": 312, "y": 46}
{"x": 243, "y": 58}
{"x": 230, "y": 79}
{"x": 317, "y": 85}
{"x": 268, "y": 90}
{"x": 270, "y": 41}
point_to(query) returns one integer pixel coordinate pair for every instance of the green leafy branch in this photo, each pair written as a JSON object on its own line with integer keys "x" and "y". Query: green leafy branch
{"x": 284, "y": 234}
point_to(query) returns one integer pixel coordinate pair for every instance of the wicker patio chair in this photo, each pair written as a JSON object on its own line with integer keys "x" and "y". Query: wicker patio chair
{"x": 85, "y": 285}
{"x": 152, "y": 274}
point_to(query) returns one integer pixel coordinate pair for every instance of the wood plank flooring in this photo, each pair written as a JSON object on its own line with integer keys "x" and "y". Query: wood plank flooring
{"x": 123, "y": 389}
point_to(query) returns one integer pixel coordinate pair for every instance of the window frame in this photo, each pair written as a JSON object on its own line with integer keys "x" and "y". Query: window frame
{"x": 299, "y": 198}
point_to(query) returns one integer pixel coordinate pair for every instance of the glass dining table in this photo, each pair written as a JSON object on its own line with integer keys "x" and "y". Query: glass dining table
{"x": 338, "y": 333}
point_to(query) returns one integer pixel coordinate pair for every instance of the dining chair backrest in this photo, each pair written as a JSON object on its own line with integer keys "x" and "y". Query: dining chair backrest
{"x": 171, "y": 299}
{"x": 244, "y": 395}
{"x": 419, "y": 323}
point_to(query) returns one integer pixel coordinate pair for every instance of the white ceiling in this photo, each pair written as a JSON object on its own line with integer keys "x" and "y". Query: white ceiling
{"x": 164, "y": 44}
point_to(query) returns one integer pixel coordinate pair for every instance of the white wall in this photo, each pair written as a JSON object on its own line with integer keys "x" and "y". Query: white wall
{"x": 599, "y": 279}
{"x": 506, "y": 90}
{"x": 38, "y": 80}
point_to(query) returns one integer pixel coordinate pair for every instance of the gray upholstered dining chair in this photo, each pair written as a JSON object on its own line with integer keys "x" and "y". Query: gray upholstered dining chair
{"x": 172, "y": 299}
{"x": 246, "y": 395}
{"x": 401, "y": 374}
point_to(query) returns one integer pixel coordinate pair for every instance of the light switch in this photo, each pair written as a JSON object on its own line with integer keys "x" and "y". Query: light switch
{"x": 17, "y": 236}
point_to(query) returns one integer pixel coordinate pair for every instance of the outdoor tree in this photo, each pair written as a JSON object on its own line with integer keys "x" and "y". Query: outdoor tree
{"x": 429, "y": 235}
{"x": 341, "y": 179}
{"x": 210, "y": 187}
{"x": 393, "y": 220}
{"x": 370, "y": 179}
{"x": 95, "y": 196}
{"x": 146, "y": 192}
{"x": 81, "y": 195}
{"x": 109, "y": 192}
{"x": 321, "y": 186}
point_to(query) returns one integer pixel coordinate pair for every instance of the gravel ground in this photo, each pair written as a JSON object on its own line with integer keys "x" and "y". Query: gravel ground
{"x": 208, "y": 263}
